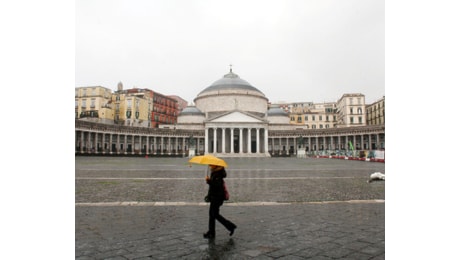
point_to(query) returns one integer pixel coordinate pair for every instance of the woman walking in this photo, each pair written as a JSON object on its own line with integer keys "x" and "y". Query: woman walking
{"x": 216, "y": 196}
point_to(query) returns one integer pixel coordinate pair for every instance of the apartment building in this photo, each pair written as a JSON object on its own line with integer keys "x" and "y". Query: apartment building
{"x": 138, "y": 107}
{"x": 375, "y": 112}
{"x": 94, "y": 103}
{"x": 351, "y": 110}
{"x": 313, "y": 116}
{"x": 133, "y": 107}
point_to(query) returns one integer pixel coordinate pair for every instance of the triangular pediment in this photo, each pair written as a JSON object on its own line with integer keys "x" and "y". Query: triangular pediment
{"x": 236, "y": 116}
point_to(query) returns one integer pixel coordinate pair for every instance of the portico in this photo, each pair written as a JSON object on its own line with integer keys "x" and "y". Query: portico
{"x": 237, "y": 134}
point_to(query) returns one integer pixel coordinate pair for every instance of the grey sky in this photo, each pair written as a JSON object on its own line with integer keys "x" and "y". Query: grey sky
{"x": 290, "y": 50}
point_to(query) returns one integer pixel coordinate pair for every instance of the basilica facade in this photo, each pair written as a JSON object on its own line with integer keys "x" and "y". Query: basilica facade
{"x": 234, "y": 116}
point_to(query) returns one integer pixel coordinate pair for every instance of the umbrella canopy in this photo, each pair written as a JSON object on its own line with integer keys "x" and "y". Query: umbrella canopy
{"x": 208, "y": 160}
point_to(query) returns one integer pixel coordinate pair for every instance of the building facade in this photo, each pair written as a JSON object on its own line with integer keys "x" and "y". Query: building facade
{"x": 375, "y": 112}
{"x": 137, "y": 107}
{"x": 232, "y": 118}
{"x": 351, "y": 110}
{"x": 165, "y": 110}
{"x": 94, "y": 103}
{"x": 312, "y": 115}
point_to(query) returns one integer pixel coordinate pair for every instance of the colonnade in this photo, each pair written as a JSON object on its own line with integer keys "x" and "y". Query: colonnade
{"x": 285, "y": 145}
{"x": 89, "y": 142}
{"x": 94, "y": 138}
{"x": 236, "y": 140}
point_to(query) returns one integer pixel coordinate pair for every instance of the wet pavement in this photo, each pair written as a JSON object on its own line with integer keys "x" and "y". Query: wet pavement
{"x": 285, "y": 208}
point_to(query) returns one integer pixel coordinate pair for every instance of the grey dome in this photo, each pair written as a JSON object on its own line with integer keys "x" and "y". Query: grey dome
{"x": 276, "y": 111}
{"x": 191, "y": 110}
{"x": 230, "y": 81}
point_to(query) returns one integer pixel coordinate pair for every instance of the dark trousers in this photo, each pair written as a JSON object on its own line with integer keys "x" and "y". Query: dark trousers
{"x": 214, "y": 214}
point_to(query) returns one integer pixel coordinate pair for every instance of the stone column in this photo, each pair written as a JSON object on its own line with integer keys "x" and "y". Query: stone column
{"x": 214, "y": 149}
{"x": 370, "y": 142}
{"x": 147, "y": 148}
{"x": 346, "y": 143}
{"x": 317, "y": 144}
{"x": 206, "y": 141}
{"x": 162, "y": 145}
{"x": 241, "y": 140}
{"x": 265, "y": 141}
{"x": 126, "y": 144}
{"x": 95, "y": 141}
{"x": 249, "y": 140}
{"x": 183, "y": 145}
{"x": 377, "y": 141}
{"x": 140, "y": 144}
{"x": 176, "y": 145}
{"x": 223, "y": 140}
{"x": 257, "y": 140}
{"x": 82, "y": 141}
{"x": 280, "y": 146}
{"x": 231, "y": 141}
{"x": 110, "y": 143}
{"x": 287, "y": 145}
{"x": 169, "y": 145}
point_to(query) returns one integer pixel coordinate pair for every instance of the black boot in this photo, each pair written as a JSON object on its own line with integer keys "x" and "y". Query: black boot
{"x": 209, "y": 235}
{"x": 232, "y": 229}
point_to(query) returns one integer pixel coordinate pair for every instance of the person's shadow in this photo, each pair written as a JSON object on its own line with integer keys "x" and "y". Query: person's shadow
{"x": 217, "y": 251}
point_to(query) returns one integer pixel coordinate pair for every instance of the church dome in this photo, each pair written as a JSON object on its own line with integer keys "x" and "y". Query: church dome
{"x": 276, "y": 111}
{"x": 231, "y": 93}
{"x": 190, "y": 115}
{"x": 231, "y": 82}
{"x": 191, "y": 110}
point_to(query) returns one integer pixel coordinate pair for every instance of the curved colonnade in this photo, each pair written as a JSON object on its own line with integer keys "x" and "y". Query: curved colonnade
{"x": 101, "y": 139}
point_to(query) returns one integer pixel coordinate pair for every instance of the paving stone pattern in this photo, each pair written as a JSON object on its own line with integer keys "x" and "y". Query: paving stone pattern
{"x": 322, "y": 209}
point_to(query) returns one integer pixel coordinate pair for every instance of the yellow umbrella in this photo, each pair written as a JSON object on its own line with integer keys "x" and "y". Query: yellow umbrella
{"x": 208, "y": 160}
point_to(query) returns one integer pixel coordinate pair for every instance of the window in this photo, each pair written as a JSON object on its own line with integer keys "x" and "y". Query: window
{"x": 360, "y": 111}
{"x": 76, "y": 92}
{"x": 76, "y": 103}
{"x": 306, "y": 118}
{"x": 351, "y": 101}
{"x": 299, "y": 119}
{"x": 321, "y": 126}
{"x": 83, "y": 103}
{"x": 93, "y": 92}
{"x": 129, "y": 103}
{"x": 360, "y": 120}
{"x": 313, "y": 127}
{"x": 351, "y": 120}
{"x": 351, "y": 110}
{"x": 320, "y": 118}
{"x": 312, "y": 118}
{"x": 327, "y": 118}
{"x": 93, "y": 103}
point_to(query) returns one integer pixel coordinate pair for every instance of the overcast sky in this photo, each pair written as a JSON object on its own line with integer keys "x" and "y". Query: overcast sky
{"x": 303, "y": 50}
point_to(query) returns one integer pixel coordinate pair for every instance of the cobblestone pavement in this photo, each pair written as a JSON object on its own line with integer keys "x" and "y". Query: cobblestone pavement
{"x": 285, "y": 208}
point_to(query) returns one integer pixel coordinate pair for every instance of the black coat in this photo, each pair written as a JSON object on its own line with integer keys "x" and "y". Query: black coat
{"x": 216, "y": 191}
